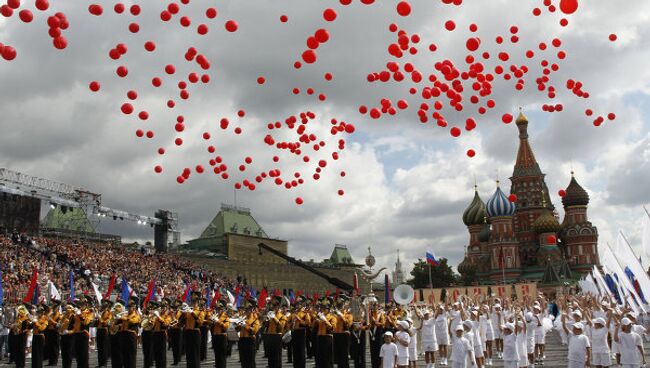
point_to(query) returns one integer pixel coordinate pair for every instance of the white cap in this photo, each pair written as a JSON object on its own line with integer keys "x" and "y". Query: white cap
{"x": 467, "y": 323}
{"x": 529, "y": 316}
{"x": 537, "y": 307}
{"x": 403, "y": 324}
{"x": 578, "y": 325}
{"x": 577, "y": 313}
{"x": 388, "y": 333}
{"x": 600, "y": 321}
{"x": 509, "y": 326}
{"x": 626, "y": 321}
{"x": 459, "y": 328}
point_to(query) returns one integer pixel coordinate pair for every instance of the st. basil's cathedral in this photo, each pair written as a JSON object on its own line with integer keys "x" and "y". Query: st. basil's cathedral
{"x": 523, "y": 240}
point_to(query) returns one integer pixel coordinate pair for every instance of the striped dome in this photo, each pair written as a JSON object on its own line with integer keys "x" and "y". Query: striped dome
{"x": 475, "y": 213}
{"x": 499, "y": 205}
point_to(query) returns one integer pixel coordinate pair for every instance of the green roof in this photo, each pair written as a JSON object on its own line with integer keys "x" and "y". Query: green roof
{"x": 73, "y": 219}
{"x": 341, "y": 255}
{"x": 233, "y": 220}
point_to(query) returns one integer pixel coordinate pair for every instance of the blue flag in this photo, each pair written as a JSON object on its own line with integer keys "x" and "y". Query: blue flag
{"x": 238, "y": 300}
{"x": 36, "y": 295}
{"x": 208, "y": 297}
{"x": 188, "y": 295}
{"x": 633, "y": 280}
{"x": 126, "y": 291}
{"x": 253, "y": 293}
{"x": 292, "y": 296}
{"x": 71, "y": 281}
{"x": 611, "y": 285}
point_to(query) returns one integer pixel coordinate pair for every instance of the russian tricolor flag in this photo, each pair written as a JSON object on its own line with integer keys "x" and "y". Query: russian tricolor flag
{"x": 431, "y": 259}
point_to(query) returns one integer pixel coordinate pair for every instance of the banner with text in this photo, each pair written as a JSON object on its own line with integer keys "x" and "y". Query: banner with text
{"x": 452, "y": 294}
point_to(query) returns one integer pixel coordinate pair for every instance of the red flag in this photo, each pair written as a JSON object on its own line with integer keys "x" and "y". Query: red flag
{"x": 336, "y": 296}
{"x": 217, "y": 296}
{"x": 298, "y": 294}
{"x": 187, "y": 291}
{"x": 355, "y": 281}
{"x": 32, "y": 287}
{"x": 327, "y": 293}
{"x": 152, "y": 285}
{"x": 277, "y": 292}
{"x": 261, "y": 302}
{"x": 111, "y": 285}
{"x": 315, "y": 298}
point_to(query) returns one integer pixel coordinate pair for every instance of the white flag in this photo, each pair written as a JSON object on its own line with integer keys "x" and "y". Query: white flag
{"x": 601, "y": 282}
{"x": 52, "y": 292}
{"x": 611, "y": 263}
{"x": 98, "y": 295}
{"x": 627, "y": 259}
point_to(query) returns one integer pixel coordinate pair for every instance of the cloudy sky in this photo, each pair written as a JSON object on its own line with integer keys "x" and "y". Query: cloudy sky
{"x": 407, "y": 183}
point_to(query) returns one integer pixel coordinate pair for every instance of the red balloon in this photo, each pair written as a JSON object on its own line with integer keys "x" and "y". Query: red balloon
{"x": 299, "y": 201}
{"x": 121, "y": 48}
{"x": 507, "y": 118}
{"x": 211, "y": 13}
{"x": 119, "y": 8}
{"x": 455, "y": 132}
{"x": 95, "y": 9}
{"x": 612, "y": 37}
{"x": 134, "y": 27}
{"x": 143, "y": 115}
{"x": 158, "y": 169}
{"x": 283, "y": 18}
{"x": 471, "y": 153}
{"x": 450, "y": 25}
{"x": 139, "y": 133}
{"x": 26, "y": 15}
{"x": 551, "y": 239}
{"x": 60, "y": 42}
{"x": 231, "y": 26}
{"x": 568, "y": 6}
{"x": 42, "y": 5}
{"x": 122, "y": 71}
{"x": 170, "y": 69}
{"x": 473, "y": 43}
{"x": 561, "y": 193}
{"x": 127, "y": 108}
{"x": 149, "y": 46}
{"x": 94, "y": 86}
{"x": 135, "y": 9}
{"x": 309, "y": 56}
{"x": 329, "y": 15}
{"x": 403, "y": 8}
{"x": 512, "y": 198}
{"x": 185, "y": 21}
{"x": 341, "y": 192}
{"x": 202, "y": 29}
{"x": 261, "y": 80}
{"x": 132, "y": 95}
{"x": 8, "y": 53}
{"x": 322, "y": 35}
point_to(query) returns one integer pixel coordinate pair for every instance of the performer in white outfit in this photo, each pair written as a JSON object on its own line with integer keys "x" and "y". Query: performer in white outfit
{"x": 600, "y": 354}
{"x": 402, "y": 340}
{"x": 498, "y": 321}
{"x": 461, "y": 350}
{"x": 413, "y": 344}
{"x": 579, "y": 345}
{"x": 487, "y": 330}
{"x": 510, "y": 353}
{"x": 428, "y": 334}
{"x": 442, "y": 332}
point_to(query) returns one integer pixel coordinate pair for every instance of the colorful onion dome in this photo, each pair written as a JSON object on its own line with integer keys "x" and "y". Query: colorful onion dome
{"x": 521, "y": 119}
{"x": 484, "y": 235}
{"x": 499, "y": 205}
{"x": 475, "y": 213}
{"x": 465, "y": 266}
{"x": 546, "y": 223}
{"x": 575, "y": 194}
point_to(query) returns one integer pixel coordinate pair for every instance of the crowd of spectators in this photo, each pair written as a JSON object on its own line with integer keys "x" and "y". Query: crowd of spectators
{"x": 98, "y": 263}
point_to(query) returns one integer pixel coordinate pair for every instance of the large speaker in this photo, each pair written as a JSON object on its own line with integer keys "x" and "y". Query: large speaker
{"x": 161, "y": 232}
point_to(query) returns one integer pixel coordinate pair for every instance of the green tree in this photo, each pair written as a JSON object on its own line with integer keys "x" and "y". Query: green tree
{"x": 441, "y": 275}
{"x": 469, "y": 278}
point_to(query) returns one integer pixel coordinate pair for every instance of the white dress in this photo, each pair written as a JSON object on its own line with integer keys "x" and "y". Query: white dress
{"x": 487, "y": 331}
{"x": 442, "y": 329}
{"x": 402, "y": 351}
{"x": 510, "y": 353}
{"x": 413, "y": 345}
{"x": 429, "y": 342}
{"x": 522, "y": 349}
{"x": 600, "y": 350}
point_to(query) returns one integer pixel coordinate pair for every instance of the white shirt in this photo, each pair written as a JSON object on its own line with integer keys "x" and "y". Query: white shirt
{"x": 402, "y": 351}
{"x": 599, "y": 340}
{"x": 388, "y": 352}
{"x": 428, "y": 330}
{"x": 578, "y": 345}
{"x": 459, "y": 349}
{"x": 628, "y": 346}
{"x": 510, "y": 352}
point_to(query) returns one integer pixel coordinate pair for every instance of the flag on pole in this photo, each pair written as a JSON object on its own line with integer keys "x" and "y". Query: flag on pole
{"x": 36, "y": 295}
{"x": 126, "y": 290}
{"x": 186, "y": 294}
{"x": 33, "y": 284}
{"x": 111, "y": 285}
{"x": 261, "y": 302}
{"x": 52, "y": 292}
{"x": 98, "y": 295}
{"x": 292, "y": 296}
{"x": 71, "y": 286}
{"x": 231, "y": 299}
{"x": 632, "y": 267}
{"x": 208, "y": 297}
{"x": 432, "y": 260}
{"x": 151, "y": 292}
{"x": 215, "y": 298}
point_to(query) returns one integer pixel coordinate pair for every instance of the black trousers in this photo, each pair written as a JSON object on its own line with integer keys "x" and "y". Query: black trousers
{"x": 342, "y": 349}
{"x": 298, "y": 340}
{"x": 51, "y": 350}
{"x": 204, "y": 342}
{"x": 220, "y": 348}
{"x": 20, "y": 342}
{"x": 324, "y": 351}
{"x": 311, "y": 343}
{"x": 38, "y": 349}
{"x": 376, "y": 340}
{"x": 67, "y": 350}
{"x": 358, "y": 349}
{"x": 103, "y": 346}
{"x": 116, "y": 350}
{"x": 11, "y": 341}
{"x": 192, "y": 342}
{"x": 147, "y": 348}
{"x": 274, "y": 350}
{"x": 159, "y": 344}
{"x": 246, "y": 347}
{"x": 129, "y": 348}
{"x": 175, "y": 341}
{"x": 81, "y": 349}
{"x": 289, "y": 352}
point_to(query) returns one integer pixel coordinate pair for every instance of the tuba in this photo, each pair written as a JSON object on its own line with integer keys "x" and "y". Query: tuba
{"x": 403, "y": 294}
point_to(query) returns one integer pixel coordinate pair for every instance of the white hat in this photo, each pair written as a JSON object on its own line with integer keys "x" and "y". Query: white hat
{"x": 600, "y": 321}
{"x": 528, "y": 316}
{"x": 509, "y": 326}
{"x": 403, "y": 324}
{"x": 626, "y": 321}
{"x": 409, "y": 320}
{"x": 459, "y": 328}
{"x": 388, "y": 333}
{"x": 537, "y": 307}
{"x": 578, "y": 325}
{"x": 467, "y": 323}
{"x": 577, "y": 313}
{"x": 497, "y": 305}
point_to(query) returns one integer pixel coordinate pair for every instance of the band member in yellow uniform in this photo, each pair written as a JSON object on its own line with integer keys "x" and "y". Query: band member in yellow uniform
{"x": 162, "y": 319}
{"x": 326, "y": 324}
{"x": 67, "y": 339}
{"x": 38, "y": 337}
{"x": 248, "y": 328}
{"x": 128, "y": 335}
{"x": 377, "y": 321}
{"x": 274, "y": 331}
{"x": 342, "y": 334}
{"x": 20, "y": 329}
{"x": 220, "y": 323}
{"x": 191, "y": 320}
{"x": 79, "y": 328}
{"x": 300, "y": 324}
{"x": 103, "y": 345}
{"x": 175, "y": 332}
{"x": 146, "y": 336}
{"x": 52, "y": 334}
{"x": 114, "y": 327}
{"x": 204, "y": 329}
